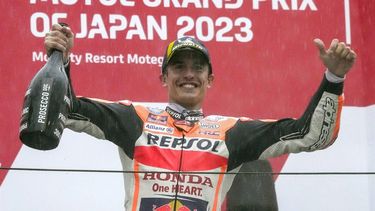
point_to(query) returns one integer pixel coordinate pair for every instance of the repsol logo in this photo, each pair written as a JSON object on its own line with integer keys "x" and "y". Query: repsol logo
{"x": 43, "y": 107}
{"x": 176, "y": 142}
{"x": 328, "y": 120}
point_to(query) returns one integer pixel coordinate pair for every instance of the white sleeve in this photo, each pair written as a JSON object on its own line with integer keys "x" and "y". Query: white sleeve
{"x": 333, "y": 78}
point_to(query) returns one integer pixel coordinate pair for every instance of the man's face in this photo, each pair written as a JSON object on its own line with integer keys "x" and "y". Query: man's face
{"x": 187, "y": 79}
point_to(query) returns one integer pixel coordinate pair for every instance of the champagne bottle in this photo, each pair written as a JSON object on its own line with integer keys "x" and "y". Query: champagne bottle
{"x": 46, "y": 105}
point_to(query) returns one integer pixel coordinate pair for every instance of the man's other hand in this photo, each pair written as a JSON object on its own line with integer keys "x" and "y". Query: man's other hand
{"x": 338, "y": 59}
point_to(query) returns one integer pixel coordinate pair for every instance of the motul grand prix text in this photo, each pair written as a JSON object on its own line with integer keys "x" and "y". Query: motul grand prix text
{"x": 233, "y": 25}
{"x": 226, "y": 28}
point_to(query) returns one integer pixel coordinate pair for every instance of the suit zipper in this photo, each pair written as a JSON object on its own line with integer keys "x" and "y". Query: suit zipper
{"x": 179, "y": 170}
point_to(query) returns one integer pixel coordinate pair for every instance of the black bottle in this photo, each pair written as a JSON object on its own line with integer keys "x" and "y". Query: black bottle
{"x": 46, "y": 105}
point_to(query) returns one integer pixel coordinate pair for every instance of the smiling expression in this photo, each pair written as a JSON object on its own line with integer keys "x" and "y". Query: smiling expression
{"x": 187, "y": 78}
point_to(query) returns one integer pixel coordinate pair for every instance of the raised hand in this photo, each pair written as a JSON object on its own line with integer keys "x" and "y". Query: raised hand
{"x": 59, "y": 38}
{"x": 338, "y": 58}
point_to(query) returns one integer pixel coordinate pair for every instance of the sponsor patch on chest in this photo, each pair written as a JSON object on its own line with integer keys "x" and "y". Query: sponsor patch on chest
{"x": 158, "y": 128}
{"x": 158, "y": 119}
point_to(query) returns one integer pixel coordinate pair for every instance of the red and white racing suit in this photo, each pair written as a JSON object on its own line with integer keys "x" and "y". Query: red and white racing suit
{"x": 180, "y": 165}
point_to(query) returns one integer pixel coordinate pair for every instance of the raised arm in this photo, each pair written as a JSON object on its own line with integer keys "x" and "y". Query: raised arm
{"x": 99, "y": 118}
{"x": 316, "y": 129}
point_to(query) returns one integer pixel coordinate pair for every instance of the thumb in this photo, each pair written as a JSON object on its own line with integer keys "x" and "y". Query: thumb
{"x": 320, "y": 45}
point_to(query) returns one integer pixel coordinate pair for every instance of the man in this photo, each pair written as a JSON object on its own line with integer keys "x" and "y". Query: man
{"x": 178, "y": 155}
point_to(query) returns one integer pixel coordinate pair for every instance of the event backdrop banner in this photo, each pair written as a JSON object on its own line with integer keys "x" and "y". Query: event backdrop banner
{"x": 265, "y": 66}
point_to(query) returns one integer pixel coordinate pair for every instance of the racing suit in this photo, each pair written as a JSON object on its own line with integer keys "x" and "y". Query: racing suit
{"x": 182, "y": 164}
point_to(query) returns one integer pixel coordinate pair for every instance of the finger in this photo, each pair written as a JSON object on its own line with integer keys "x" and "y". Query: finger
{"x": 340, "y": 48}
{"x": 63, "y": 28}
{"x": 49, "y": 42}
{"x": 56, "y": 42}
{"x": 67, "y": 31}
{"x": 57, "y": 35}
{"x": 345, "y": 52}
{"x": 351, "y": 56}
{"x": 320, "y": 45}
{"x": 50, "y": 46}
{"x": 333, "y": 45}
